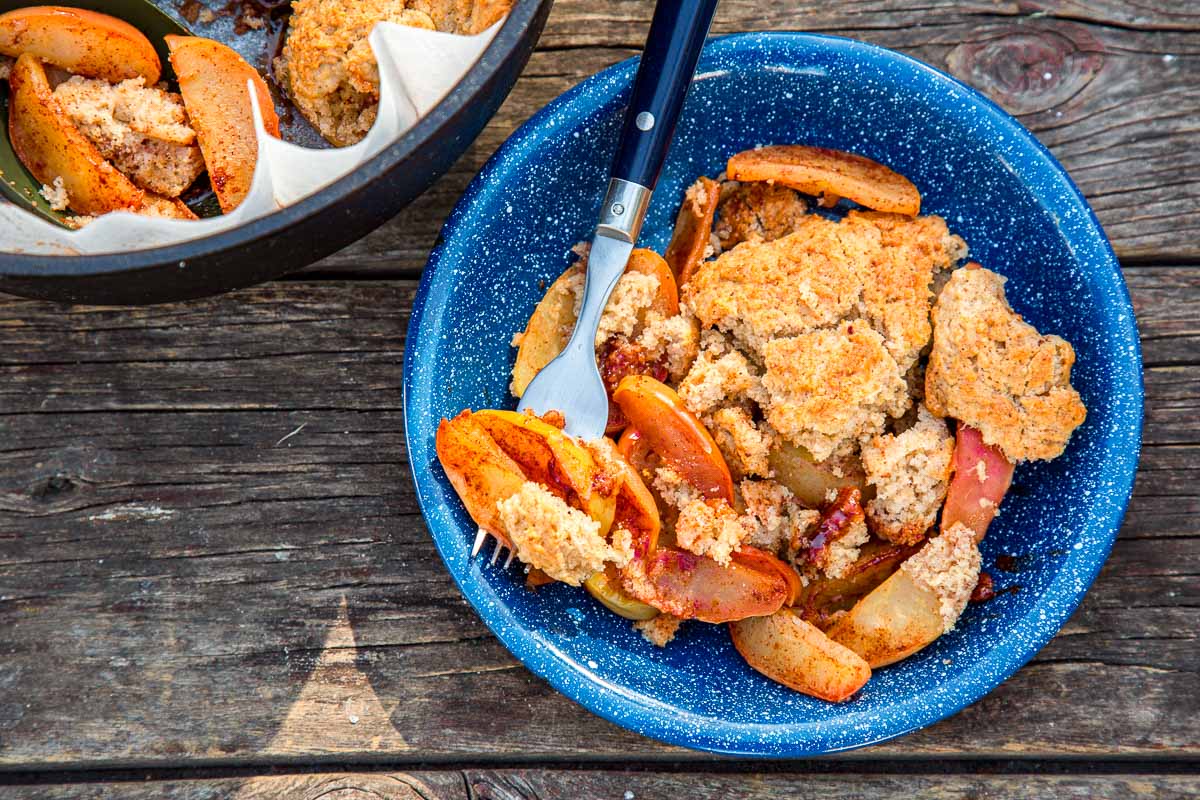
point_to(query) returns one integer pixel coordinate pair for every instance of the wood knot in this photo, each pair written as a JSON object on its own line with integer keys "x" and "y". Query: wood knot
{"x": 50, "y": 488}
{"x": 1027, "y": 71}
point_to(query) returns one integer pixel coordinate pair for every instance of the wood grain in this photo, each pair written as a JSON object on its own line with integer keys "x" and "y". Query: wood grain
{"x": 541, "y": 784}
{"x": 1112, "y": 88}
{"x": 210, "y": 532}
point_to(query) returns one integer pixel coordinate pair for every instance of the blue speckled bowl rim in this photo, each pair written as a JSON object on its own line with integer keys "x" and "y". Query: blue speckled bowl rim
{"x": 668, "y": 723}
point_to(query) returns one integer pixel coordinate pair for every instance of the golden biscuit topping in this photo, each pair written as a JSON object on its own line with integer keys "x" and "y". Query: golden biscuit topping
{"x": 995, "y": 372}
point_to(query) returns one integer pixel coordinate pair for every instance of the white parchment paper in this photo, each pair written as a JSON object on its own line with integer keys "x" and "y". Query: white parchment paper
{"x": 417, "y": 68}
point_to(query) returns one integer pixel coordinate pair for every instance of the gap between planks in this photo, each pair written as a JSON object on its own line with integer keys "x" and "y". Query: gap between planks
{"x": 854, "y": 763}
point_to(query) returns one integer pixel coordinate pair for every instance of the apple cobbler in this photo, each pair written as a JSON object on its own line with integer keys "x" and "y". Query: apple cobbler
{"x": 815, "y": 415}
{"x": 91, "y": 119}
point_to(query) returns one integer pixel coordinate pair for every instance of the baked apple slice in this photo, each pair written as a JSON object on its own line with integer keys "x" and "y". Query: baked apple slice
{"x": 213, "y": 80}
{"x": 547, "y": 331}
{"x": 50, "y": 146}
{"x": 809, "y": 481}
{"x": 693, "y": 227}
{"x": 155, "y": 205}
{"x": 821, "y": 599}
{"x": 829, "y": 174}
{"x": 763, "y": 561}
{"x": 675, "y": 434}
{"x": 637, "y": 510}
{"x": 479, "y": 470}
{"x": 695, "y": 587}
{"x": 794, "y": 652}
{"x": 982, "y": 476}
{"x": 606, "y": 587}
{"x": 81, "y": 42}
{"x": 895, "y": 620}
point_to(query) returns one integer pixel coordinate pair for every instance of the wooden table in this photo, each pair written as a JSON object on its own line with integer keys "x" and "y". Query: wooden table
{"x": 214, "y": 579}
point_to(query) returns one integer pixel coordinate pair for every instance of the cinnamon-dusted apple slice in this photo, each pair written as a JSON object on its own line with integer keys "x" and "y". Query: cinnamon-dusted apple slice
{"x": 763, "y": 561}
{"x": 829, "y": 174}
{"x": 919, "y": 602}
{"x": 81, "y": 42}
{"x": 898, "y": 618}
{"x": 693, "y": 227}
{"x": 213, "y": 80}
{"x": 794, "y": 652}
{"x": 155, "y": 205}
{"x": 689, "y": 586}
{"x": 479, "y": 470}
{"x": 51, "y": 147}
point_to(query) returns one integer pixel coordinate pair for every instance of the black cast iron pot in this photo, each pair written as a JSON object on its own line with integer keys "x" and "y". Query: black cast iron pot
{"x": 309, "y": 230}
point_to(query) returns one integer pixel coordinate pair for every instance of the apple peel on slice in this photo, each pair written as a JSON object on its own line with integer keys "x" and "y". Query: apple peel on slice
{"x": 605, "y": 586}
{"x": 982, "y": 475}
{"x": 82, "y": 42}
{"x": 763, "y": 561}
{"x": 829, "y": 174}
{"x": 675, "y": 434}
{"x": 51, "y": 147}
{"x": 693, "y": 227}
{"x": 794, "y": 652}
{"x": 547, "y": 331}
{"x": 689, "y": 586}
{"x": 214, "y": 81}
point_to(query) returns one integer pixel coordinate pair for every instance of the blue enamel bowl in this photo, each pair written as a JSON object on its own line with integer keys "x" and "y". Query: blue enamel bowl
{"x": 976, "y": 167}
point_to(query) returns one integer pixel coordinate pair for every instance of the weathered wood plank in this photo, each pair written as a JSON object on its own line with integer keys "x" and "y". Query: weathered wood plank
{"x": 529, "y": 784}
{"x": 1112, "y": 88}
{"x": 208, "y": 529}
{"x": 448, "y": 785}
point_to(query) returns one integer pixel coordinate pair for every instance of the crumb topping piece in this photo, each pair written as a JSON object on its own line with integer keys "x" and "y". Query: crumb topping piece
{"x": 875, "y": 266}
{"x": 842, "y": 553}
{"x": 562, "y": 541}
{"x": 757, "y": 212}
{"x": 745, "y": 445}
{"x": 328, "y": 67}
{"x": 782, "y": 525}
{"x": 659, "y": 630}
{"x": 56, "y": 194}
{"x": 910, "y": 472}
{"x": 947, "y": 566}
{"x": 717, "y": 379}
{"x": 995, "y": 372}
{"x": 627, "y": 305}
{"x": 142, "y": 130}
{"x": 675, "y": 339}
{"x": 710, "y": 528}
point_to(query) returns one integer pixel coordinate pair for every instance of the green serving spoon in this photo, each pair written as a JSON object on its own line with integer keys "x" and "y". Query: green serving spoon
{"x": 16, "y": 182}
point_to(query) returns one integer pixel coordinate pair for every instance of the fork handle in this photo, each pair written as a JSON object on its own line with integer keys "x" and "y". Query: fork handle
{"x": 668, "y": 62}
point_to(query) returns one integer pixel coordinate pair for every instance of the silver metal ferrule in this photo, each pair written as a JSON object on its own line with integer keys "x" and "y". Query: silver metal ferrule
{"x": 624, "y": 210}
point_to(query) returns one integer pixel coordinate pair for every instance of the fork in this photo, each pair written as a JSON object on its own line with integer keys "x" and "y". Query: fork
{"x": 571, "y": 383}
